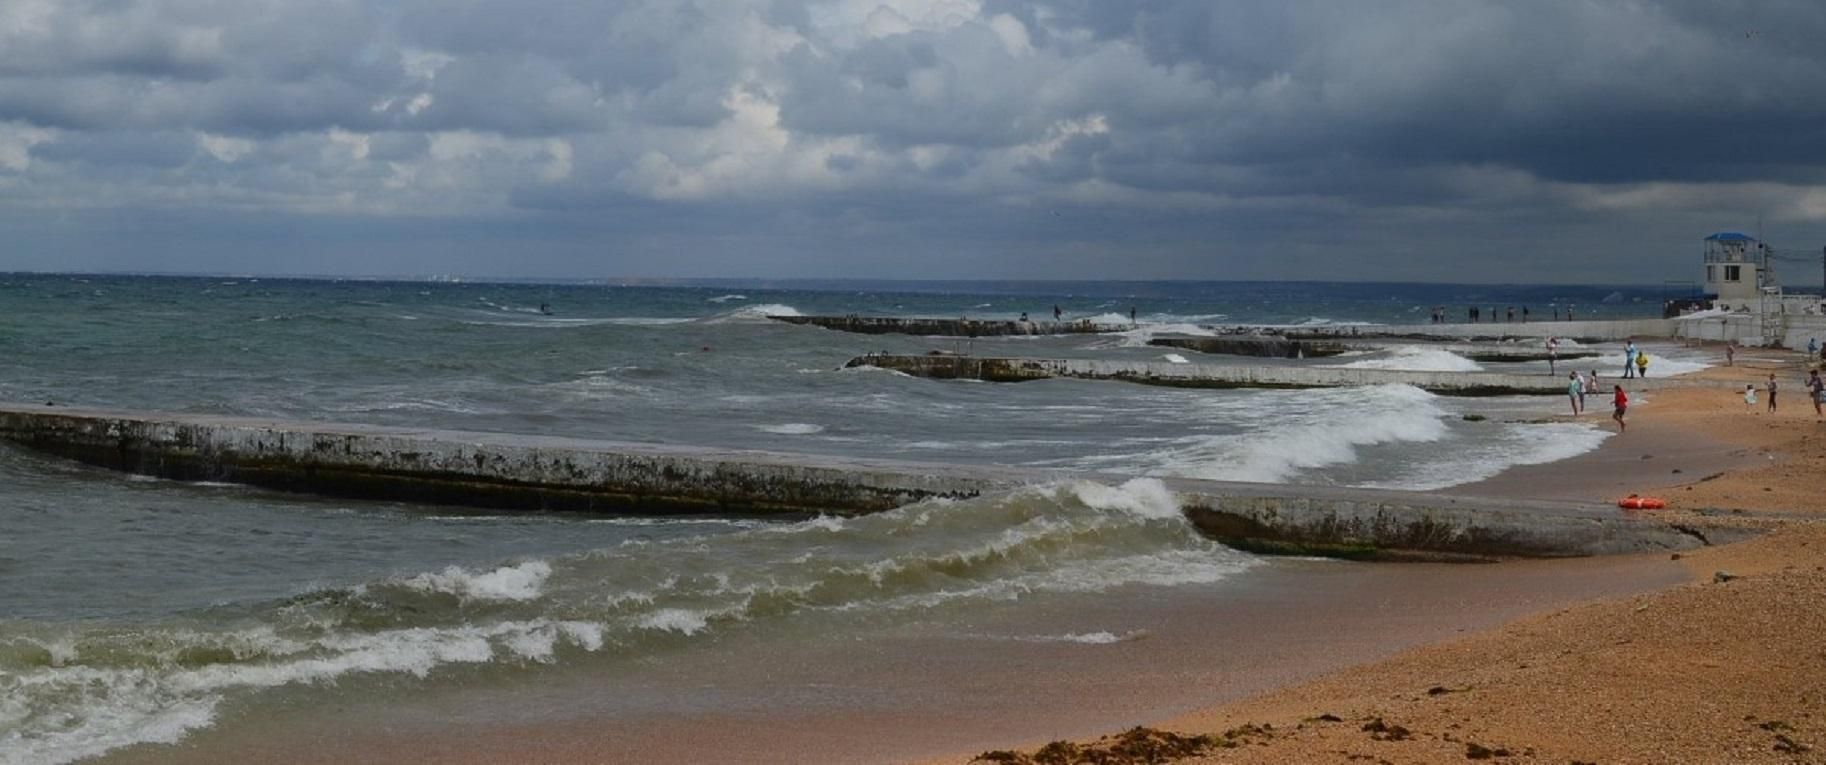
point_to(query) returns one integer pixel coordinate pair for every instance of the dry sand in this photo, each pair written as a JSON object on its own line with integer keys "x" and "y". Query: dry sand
{"x": 1730, "y": 668}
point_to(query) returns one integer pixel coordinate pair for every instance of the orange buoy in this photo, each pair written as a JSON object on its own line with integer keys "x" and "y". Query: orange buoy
{"x": 1633, "y": 502}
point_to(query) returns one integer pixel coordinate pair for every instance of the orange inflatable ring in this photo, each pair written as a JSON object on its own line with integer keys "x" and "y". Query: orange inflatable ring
{"x": 1633, "y": 502}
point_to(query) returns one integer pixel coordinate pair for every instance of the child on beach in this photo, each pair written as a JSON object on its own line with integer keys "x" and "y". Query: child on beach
{"x": 1621, "y": 401}
{"x": 1575, "y": 391}
{"x": 1749, "y": 397}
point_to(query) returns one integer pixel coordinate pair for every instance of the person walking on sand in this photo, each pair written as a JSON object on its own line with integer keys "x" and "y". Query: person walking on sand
{"x": 1771, "y": 390}
{"x": 1621, "y": 401}
{"x": 1817, "y": 388}
{"x": 1813, "y": 346}
{"x": 1575, "y": 392}
{"x": 1749, "y": 397}
{"x": 1629, "y": 360}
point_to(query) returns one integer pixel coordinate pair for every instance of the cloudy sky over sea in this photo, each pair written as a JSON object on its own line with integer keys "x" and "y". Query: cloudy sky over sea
{"x": 1553, "y": 140}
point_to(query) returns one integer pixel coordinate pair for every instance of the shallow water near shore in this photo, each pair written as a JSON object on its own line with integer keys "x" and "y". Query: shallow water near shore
{"x": 136, "y": 610}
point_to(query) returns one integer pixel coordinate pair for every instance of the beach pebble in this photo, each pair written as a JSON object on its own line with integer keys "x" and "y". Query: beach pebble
{"x": 1720, "y": 577}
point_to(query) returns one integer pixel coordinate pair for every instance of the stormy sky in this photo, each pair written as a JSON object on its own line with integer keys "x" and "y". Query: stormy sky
{"x": 1431, "y": 140}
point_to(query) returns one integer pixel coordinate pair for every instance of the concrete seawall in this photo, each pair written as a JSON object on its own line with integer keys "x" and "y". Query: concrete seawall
{"x": 962, "y": 327}
{"x": 545, "y": 473}
{"x": 1610, "y": 331}
{"x": 991, "y": 369}
{"x": 1270, "y": 346}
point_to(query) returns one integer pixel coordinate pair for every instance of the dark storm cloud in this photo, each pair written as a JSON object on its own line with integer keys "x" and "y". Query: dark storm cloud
{"x": 1157, "y": 137}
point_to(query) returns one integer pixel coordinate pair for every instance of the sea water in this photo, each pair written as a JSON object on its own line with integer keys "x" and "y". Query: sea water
{"x": 136, "y": 610}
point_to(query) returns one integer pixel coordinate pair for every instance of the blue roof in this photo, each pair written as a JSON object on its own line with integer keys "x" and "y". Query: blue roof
{"x": 1730, "y": 236}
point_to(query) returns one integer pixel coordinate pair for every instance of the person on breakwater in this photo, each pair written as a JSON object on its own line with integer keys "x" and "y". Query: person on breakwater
{"x": 1524, "y": 314}
{"x": 1771, "y": 390}
{"x": 1056, "y": 313}
{"x": 1629, "y": 360}
{"x": 1132, "y": 316}
{"x": 1511, "y": 314}
{"x": 1575, "y": 392}
{"x": 1621, "y": 401}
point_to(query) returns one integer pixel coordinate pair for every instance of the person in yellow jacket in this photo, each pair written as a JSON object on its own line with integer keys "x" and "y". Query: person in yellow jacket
{"x": 1641, "y": 363}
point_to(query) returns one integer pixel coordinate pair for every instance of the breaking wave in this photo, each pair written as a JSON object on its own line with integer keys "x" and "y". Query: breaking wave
{"x": 71, "y": 691}
{"x": 1418, "y": 359}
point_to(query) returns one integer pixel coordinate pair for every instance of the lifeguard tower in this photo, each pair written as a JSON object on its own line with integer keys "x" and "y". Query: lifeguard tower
{"x": 1737, "y": 267}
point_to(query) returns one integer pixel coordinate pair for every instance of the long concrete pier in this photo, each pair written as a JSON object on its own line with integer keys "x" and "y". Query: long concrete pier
{"x": 994, "y": 369}
{"x": 549, "y": 473}
{"x": 1273, "y": 346}
{"x": 961, "y": 327}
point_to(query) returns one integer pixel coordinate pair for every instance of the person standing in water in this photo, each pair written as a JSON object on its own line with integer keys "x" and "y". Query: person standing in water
{"x": 1629, "y": 360}
{"x": 1575, "y": 391}
{"x": 1056, "y": 313}
{"x": 1132, "y": 317}
{"x": 1621, "y": 401}
{"x": 1553, "y": 354}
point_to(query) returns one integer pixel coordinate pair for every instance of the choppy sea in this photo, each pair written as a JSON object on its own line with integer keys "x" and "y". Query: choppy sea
{"x": 136, "y": 610}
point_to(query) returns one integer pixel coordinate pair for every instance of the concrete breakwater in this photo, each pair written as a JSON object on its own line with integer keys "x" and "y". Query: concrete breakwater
{"x": 960, "y": 327}
{"x": 992, "y": 369}
{"x": 546, "y": 473}
{"x": 1271, "y": 346}
{"x": 1605, "y": 331}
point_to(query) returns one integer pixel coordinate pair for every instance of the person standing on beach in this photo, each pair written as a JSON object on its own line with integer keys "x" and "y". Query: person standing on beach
{"x": 1553, "y": 354}
{"x": 1621, "y": 402}
{"x": 1586, "y": 385}
{"x": 1749, "y": 397}
{"x": 1730, "y": 354}
{"x": 1629, "y": 360}
{"x": 1813, "y": 346}
{"x": 1818, "y": 388}
{"x": 1771, "y": 390}
{"x": 1575, "y": 392}
{"x": 1642, "y": 364}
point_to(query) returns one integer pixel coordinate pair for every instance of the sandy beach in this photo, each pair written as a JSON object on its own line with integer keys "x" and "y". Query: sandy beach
{"x": 1723, "y": 668}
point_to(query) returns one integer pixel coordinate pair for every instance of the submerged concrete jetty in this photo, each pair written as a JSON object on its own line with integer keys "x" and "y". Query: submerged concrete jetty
{"x": 992, "y": 369}
{"x": 961, "y": 327}
{"x": 549, "y": 473}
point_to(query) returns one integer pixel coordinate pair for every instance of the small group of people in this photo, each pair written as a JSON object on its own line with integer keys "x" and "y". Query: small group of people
{"x": 1635, "y": 361}
{"x": 1816, "y": 393}
{"x": 1476, "y": 314}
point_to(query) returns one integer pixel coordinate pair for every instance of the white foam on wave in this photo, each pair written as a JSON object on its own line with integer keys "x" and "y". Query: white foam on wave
{"x": 791, "y": 429}
{"x": 519, "y": 582}
{"x": 104, "y": 708}
{"x": 1142, "y": 497}
{"x": 1512, "y": 445}
{"x": 727, "y": 298}
{"x": 1139, "y": 336}
{"x": 1418, "y": 359}
{"x": 760, "y": 312}
{"x": 1322, "y": 429}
